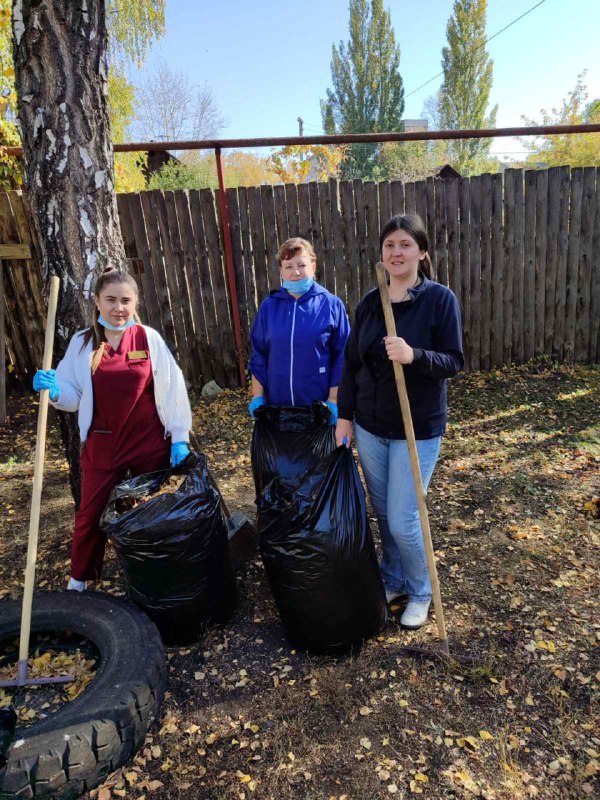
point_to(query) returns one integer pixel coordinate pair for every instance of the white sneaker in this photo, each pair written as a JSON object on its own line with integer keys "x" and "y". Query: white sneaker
{"x": 415, "y": 615}
{"x": 76, "y": 586}
{"x": 391, "y": 595}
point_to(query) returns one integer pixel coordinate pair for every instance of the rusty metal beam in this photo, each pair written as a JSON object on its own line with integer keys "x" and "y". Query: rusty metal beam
{"x": 349, "y": 138}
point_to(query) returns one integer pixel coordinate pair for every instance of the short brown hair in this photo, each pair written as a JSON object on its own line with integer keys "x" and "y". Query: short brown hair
{"x": 293, "y": 246}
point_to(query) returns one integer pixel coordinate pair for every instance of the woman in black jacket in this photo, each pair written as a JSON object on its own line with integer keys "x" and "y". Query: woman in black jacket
{"x": 429, "y": 347}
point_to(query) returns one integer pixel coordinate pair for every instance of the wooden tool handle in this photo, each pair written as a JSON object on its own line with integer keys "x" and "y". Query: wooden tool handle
{"x": 390, "y": 325}
{"x": 38, "y": 475}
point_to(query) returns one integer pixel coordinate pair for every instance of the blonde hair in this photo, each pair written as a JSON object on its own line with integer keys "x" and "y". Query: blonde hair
{"x": 293, "y": 246}
{"x": 95, "y": 333}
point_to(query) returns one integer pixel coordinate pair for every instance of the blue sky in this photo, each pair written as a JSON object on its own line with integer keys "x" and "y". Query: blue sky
{"x": 268, "y": 61}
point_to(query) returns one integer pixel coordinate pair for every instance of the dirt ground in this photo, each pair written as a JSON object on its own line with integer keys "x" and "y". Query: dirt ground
{"x": 514, "y": 508}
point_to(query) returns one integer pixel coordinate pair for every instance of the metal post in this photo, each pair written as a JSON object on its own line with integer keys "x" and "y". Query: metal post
{"x": 233, "y": 295}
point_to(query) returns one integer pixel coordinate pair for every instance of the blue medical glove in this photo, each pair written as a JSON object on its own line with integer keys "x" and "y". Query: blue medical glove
{"x": 255, "y": 403}
{"x": 334, "y": 412}
{"x": 179, "y": 452}
{"x": 46, "y": 379}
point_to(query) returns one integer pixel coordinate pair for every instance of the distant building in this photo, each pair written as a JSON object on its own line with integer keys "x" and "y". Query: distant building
{"x": 156, "y": 161}
{"x": 446, "y": 173}
{"x": 413, "y": 125}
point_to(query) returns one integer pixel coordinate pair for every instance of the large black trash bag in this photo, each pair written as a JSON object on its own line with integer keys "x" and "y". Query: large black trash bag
{"x": 174, "y": 552}
{"x": 288, "y": 442}
{"x": 320, "y": 558}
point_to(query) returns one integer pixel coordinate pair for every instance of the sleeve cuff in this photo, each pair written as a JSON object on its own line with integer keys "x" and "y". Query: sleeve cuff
{"x": 180, "y": 435}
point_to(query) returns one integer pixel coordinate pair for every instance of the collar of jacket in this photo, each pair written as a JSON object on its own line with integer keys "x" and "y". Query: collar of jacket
{"x": 283, "y": 294}
{"x": 373, "y": 300}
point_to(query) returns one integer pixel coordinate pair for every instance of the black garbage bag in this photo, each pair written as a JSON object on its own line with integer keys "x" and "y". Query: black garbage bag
{"x": 173, "y": 549}
{"x": 320, "y": 558}
{"x": 288, "y": 442}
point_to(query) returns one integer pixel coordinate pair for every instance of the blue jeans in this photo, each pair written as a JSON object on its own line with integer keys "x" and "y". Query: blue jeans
{"x": 386, "y": 467}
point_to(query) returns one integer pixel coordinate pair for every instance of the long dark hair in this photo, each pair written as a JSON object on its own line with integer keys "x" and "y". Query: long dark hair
{"x": 413, "y": 225}
{"x": 95, "y": 333}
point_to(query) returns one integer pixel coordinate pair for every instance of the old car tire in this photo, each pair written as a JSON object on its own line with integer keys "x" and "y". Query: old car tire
{"x": 74, "y": 749}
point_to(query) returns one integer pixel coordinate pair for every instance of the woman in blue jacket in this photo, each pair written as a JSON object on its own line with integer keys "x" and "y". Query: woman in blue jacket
{"x": 429, "y": 347}
{"x": 298, "y": 337}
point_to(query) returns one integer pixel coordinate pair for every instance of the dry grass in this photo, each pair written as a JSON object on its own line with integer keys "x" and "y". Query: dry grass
{"x": 514, "y": 515}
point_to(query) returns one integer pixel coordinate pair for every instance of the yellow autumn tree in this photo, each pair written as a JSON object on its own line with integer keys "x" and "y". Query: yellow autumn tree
{"x": 302, "y": 163}
{"x": 576, "y": 149}
{"x": 10, "y": 169}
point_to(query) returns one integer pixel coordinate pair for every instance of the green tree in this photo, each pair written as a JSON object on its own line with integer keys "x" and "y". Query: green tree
{"x": 133, "y": 25}
{"x": 411, "y": 161}
{"x": 367, "y": 94}
{"x": 465, "y": 92}
{"x": 578, "y": 149}
{"x": 129, "y": 167}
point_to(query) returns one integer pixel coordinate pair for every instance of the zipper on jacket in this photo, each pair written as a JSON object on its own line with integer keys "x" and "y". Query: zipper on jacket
{"x": 292, "y": 352}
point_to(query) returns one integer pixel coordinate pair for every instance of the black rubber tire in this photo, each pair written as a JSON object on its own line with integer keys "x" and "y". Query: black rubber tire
{"x": 74, "y": 749}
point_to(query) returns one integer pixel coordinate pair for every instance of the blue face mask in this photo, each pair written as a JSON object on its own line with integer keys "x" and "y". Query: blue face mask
{"x": 298, "y": 287}
{"x": 116, "y": 328}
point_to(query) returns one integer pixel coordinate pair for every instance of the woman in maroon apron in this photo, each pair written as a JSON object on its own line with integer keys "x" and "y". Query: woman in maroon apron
{"x": 134, "y": 412}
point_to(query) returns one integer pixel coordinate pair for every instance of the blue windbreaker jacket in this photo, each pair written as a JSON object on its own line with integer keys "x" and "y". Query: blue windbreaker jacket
{"x": 298, "y": 345}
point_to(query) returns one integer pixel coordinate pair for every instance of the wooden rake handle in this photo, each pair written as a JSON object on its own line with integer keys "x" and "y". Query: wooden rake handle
{"x": 415, "y": 467}
{"x": 38, "y": 476}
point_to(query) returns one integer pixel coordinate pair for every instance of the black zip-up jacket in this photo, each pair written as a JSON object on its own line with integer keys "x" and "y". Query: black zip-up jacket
{"x": 430, "y": 323}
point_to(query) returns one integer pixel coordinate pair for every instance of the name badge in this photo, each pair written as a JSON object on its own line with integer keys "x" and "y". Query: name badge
{"x": 136, "y": 355}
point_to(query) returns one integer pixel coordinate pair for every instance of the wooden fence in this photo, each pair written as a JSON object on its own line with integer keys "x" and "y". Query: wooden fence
{"x": 521, "y": 250}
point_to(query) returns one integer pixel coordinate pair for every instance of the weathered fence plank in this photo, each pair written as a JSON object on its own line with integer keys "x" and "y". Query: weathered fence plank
{"x": 551, "y": 255}
{"x": 348, "y": 212}
{"x": 255, "y": 213}
{"x": 326, "y": 268}
{"x": 373, "y": 230}
{"x": 560, "y": 290}
{"x": 573, "y": 262}
{"x": 464, "y": 219}
{"x": 584, "y": 281}
{"x": 247, "y": 255}
{"x": 397, "y": 193}
{"x": 238, "y": 264}
{"x": 339, "y": 260}
{"x": 361, "y": 236}
{"x": 474, "y": 329}
{"x": 509, "y": 260}
{"x": 269, "y": 225}
{"x": 486, "y": 270}
{"x": 497, "y": 339}
{"x": 594, "y": 348}
{"x": 541, "y": 235}
{"x": 431, "y": 220}
{"x": 529, "y": 266}
{"x": 453, "y": 234}
{"x": 518, "y": 269}
{"x": 385, "y": 203}
{"x": 441, "y": 244}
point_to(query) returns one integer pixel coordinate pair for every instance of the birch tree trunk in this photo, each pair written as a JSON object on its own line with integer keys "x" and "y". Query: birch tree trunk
{"x": 61, "y": 71}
